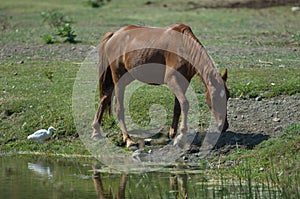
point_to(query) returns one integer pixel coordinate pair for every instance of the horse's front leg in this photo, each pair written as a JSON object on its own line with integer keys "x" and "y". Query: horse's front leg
{"x": 119, "y": 93}
{"x": 179, "y": 91}
{"x": 184, "y": 104}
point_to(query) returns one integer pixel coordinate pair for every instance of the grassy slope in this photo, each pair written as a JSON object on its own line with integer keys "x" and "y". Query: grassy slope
{"x": 256, "y": 45}
{"x": 274, "y": 163}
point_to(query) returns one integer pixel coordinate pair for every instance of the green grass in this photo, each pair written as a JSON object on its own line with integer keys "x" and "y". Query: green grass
{"x": 275, "y": 163}
{"x": 258, "y": 82}
{"x": 36, "y": 95}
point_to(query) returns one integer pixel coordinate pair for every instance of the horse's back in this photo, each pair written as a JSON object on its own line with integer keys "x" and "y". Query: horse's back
{"x": 132, "y": 37}
{"x": 147, "y": 31}
{"x": 133, "y": 46}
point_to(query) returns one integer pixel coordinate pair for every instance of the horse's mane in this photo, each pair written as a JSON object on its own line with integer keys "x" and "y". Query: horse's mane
{"x": 198, "y": 56}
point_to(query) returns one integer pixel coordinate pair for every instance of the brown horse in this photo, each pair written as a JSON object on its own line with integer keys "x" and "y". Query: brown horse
{"x": 170, "y": 55}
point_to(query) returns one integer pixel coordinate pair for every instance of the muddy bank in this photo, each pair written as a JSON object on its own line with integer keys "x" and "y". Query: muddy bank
{"x": 252, "y": 121}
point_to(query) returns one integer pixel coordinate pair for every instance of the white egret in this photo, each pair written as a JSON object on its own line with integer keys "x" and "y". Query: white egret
{"x": 41, "y": 135}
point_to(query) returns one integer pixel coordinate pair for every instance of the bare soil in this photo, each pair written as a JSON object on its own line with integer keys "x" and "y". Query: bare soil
{"x": 242, "y": 4}
{"x": 255, "y": 4}
{"x": 255, "y": 120}
{"x": 21, "y": 52}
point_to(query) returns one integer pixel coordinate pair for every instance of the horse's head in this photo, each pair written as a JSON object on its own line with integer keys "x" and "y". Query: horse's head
{"x": 224, "y": 92}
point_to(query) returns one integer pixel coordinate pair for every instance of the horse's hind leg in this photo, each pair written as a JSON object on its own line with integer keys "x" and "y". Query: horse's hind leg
{"x": 104, "y": 101}
{"x": 176, "y": 115}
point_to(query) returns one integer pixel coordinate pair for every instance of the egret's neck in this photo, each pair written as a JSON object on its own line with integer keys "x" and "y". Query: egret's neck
{"x": 49, "y": 131}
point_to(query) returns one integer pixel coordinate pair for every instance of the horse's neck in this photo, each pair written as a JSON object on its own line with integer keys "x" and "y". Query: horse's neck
{"x": 207, "y": 69}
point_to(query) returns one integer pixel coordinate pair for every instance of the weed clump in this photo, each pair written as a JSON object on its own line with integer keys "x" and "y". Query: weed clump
{"x": 63, "y": 25}
{"x": 97, "y": 3}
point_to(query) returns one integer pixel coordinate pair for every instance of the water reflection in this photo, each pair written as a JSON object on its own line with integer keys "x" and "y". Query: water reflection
{"x": 48, "y": 177}
{"x": 41, "y": 169}
{"x": 107, "y": 194}
{"x": 175, "y": 185}
{"x": 178, "y": 183}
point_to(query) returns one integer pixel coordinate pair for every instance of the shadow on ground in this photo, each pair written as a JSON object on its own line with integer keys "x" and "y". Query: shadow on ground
{"x": 229, "y": 141}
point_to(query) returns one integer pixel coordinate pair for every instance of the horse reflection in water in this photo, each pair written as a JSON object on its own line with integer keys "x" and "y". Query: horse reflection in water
{"x": 178, "y": 183}
{"x": 107, "y": 194}
{"x": 178, "y": 186}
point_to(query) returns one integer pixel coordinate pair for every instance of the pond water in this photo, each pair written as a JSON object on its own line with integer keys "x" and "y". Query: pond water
{"x": 28, "y": 176}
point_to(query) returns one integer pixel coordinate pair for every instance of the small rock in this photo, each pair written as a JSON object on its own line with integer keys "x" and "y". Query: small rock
{"x": 259, "y": 98}
{"x": 278, "y": 128}
{"x": 261, "y": 169}
{"x": 194, "y": 149}
{"x": 137, "y": 153}
{"x": 148, "y": 141}
{"x": 21, "y": 62}
{"x": 276, "y": 119}
{"x": 73, "y": 48}
{"x": 229, "y": 163}
{"x": 197, "y": 155}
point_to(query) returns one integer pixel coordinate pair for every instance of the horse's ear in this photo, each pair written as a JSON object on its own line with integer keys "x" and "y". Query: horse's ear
{"x": 224, "y": 76}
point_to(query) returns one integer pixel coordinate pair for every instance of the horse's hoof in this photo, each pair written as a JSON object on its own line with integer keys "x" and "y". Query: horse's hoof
{"x": 180, "y": 140}
{"x": 131, "y": 145}
{"x": 172, "y": 133}
{"x": 96, "y": 137}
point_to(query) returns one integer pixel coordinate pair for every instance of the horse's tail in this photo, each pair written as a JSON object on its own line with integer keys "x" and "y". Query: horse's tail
{"x": 106, "y": 84}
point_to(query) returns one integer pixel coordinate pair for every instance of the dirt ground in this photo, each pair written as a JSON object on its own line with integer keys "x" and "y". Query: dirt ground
{"x": 256, "y": 4}
{"x": 255, "y": 120}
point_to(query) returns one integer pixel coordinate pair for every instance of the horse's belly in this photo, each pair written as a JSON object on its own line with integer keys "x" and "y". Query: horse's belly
{"x": 151, "y": 73}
